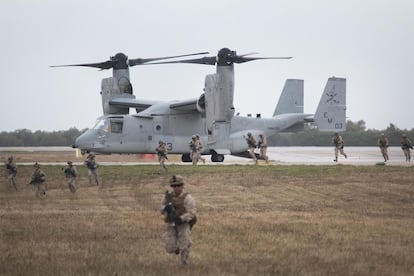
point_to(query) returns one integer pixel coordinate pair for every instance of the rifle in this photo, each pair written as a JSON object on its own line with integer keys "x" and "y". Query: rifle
{"x": 11, "y": 168}
{"x": 172, "y": 216}
{"x": 69, "y": 171}
{"x": 162, "y": 154}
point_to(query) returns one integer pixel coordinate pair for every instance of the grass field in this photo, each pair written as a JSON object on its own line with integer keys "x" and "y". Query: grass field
{"x": 253, "y": 220}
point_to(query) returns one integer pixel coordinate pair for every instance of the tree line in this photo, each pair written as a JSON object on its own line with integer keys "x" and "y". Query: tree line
{"x": 27, "y": 138}
{"x": 356, "y": 134}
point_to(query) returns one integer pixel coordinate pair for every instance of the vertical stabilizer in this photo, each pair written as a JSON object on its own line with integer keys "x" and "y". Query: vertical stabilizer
{"x": 331, "y": 112}
{"x": 291, "y": 99}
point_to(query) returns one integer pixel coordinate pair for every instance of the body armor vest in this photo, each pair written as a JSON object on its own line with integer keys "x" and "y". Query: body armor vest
{"x": 178, "y": 203}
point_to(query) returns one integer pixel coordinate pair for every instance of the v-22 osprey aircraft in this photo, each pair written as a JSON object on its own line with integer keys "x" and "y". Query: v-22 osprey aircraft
{"x": 211, "y": 115}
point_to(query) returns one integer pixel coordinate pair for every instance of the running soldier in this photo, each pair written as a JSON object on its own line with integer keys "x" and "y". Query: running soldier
{"x": 11, "y": 169}
{"x": 38, "y": 180}
{"x": 90, "y": 162}
{"x": 339, "y": 145}
{"x": 251, "y": 142}
{"x": 71, "y": 173}
{"x": 383, "y": 145}
{"x": 262, "y": 145}
{"x": 179, "y": 210}
{"x": 194, "y": 152}
{"x": 161, "y": 151}
{"x": 406, "y": 146}
{"x": 200, "y": 148}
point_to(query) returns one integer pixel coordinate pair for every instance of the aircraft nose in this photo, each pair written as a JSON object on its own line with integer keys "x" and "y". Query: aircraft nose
{"x": 85, "y": 141}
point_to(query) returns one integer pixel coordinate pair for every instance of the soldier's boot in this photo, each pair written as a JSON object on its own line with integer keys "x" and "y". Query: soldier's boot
{"x": 184, "y": 257}
{"x": 336, "y": 159}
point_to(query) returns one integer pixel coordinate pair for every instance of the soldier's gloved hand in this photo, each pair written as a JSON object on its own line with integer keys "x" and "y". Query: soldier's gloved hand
{"x": 168, "y": 208}
{"x": 178, "y": 220}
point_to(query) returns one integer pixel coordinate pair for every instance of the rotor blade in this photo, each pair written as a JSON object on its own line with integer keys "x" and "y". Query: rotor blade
{"x": 241, "y": 59}
{"x": 248, "y": 54}
{"x": 203, "y": 60}
{"x": 102, "y": 65}
{"x": 139, "y": 61}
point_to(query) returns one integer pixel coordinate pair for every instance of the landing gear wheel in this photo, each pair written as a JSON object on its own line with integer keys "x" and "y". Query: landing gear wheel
{"x": 186, "y": 157}
{"x": 217, "y": 158}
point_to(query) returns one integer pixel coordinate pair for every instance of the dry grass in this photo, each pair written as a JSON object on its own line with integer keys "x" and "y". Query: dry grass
{"x": 266, "y": 220}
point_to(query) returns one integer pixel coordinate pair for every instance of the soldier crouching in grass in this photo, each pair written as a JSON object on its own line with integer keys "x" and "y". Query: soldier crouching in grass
{"x": 179, "y": 210}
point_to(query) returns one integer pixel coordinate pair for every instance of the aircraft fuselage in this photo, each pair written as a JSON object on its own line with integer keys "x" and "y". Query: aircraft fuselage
{"x": 140, "y": 134}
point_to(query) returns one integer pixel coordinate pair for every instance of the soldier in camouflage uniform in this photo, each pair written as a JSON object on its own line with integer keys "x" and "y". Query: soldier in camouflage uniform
{"x": 251, "y": 142}
{"x": 194, "y": 149}
{"x": 38, "y": 180}
{"x": 383, "y": 145}
{"x": 11, "y": 169}
{"x": 339, "y": 145}
{"x": 406, "y": 146}
{"x": 90, "y": 162}
{"x": 200, "y": 148}
{"x": 161, "y": 151}
{"x": 71, "y": 173}
{"x": 262, "y": 145}
{"x": 179, "y": 210}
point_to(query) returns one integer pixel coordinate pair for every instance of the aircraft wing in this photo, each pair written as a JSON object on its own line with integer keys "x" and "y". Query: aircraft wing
{"x": 132, "y": 103}
{"x": 188, "y": 105}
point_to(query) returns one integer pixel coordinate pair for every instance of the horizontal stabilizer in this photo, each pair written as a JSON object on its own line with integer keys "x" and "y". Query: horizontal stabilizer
{"x": 331, "y": 112}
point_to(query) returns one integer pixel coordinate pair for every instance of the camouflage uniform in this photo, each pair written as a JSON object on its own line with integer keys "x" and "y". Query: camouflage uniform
{"x": 406, "y": 145}
{"x": 383, "y": 145}
{"x": 263, "y": 147}
{"x": 251, "y": 142}
{"x": 71, "y": 173}
{"x": 38, "y": 180}
{"x": 161, "y": 151}
{"x": 194, "y": 151}
{"x": 339, "y": 146}
{"x": 90, "y": 162}
{"x": 177, "y": 237}
{"x": 11, "y": 169}
{"x": 199, "y": 148}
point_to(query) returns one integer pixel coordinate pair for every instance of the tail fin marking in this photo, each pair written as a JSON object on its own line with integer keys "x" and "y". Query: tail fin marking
{"x": 331, "y": 112}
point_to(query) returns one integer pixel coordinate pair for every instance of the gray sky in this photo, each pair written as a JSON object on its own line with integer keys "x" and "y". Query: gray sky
{"x": 370, "y": 43}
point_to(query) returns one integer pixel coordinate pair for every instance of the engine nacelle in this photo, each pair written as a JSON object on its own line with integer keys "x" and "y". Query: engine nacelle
{"x": 201, "y": 105}
{"x": 115, "y": 90}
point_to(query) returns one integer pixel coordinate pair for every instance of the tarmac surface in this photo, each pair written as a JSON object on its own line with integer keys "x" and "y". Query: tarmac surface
{"x": 277, "y": 156}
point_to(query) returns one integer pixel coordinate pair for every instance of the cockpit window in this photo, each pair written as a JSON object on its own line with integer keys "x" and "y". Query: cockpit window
{"x": 101, "y": 125}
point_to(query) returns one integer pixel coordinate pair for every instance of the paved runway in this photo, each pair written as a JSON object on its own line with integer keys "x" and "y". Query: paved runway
{"x": 325, "y": 155}
{"x": 283, "y": 156}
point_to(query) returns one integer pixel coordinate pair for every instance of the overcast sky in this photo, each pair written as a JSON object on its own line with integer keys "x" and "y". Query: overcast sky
{"x": 370, "y": 43}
